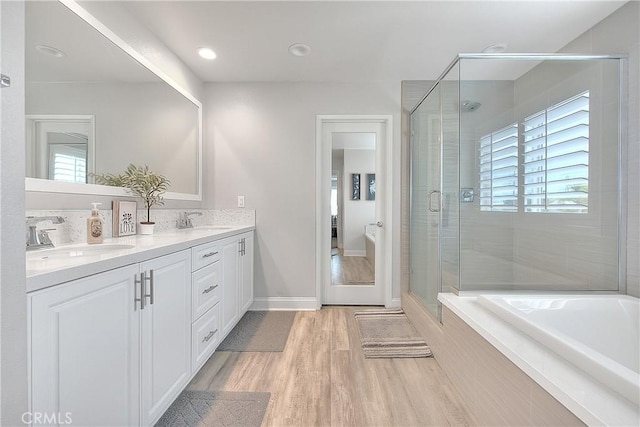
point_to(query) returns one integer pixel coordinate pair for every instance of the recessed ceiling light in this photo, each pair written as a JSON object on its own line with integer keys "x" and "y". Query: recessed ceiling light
{"x": 51, "y": 51}
{"x": 495, "y": 48}
{"x": 299, "y": 49}
{"x": 206, "y": 53}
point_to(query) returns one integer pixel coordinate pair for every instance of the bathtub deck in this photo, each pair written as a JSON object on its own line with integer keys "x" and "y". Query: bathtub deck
{"x": 584, "y": 396}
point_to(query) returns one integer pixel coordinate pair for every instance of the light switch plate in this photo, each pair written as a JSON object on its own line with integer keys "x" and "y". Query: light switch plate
{"x": 241, "y": 201}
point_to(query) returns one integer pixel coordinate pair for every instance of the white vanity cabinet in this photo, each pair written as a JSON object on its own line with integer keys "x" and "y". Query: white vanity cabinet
{"x": 246, "y": 271}
{"x": 206, "y": 281}
{"x": 117, "y": 347}
{"x": 106, "y": 355}
{"x": 165, "y": 362}
{"x": 84, "y": 349}
{"x": 237, "y": 278}
{"x": 230, "y": 250}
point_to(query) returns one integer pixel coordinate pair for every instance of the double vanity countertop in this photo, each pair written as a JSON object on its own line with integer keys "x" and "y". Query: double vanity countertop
{"x": 50, "y": 267}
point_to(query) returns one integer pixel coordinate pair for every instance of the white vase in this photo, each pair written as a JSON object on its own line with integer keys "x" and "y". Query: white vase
{"x": 146, "y": 228}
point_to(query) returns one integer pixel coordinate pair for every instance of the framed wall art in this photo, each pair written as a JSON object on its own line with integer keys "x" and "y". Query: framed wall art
{"x": 371, "y": 186}
{"x": 124, "y": 218}
{"x": 355, "y": 186}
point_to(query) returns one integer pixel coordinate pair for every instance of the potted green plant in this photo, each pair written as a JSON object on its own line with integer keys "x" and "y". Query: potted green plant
{"x": 143, "y": 183}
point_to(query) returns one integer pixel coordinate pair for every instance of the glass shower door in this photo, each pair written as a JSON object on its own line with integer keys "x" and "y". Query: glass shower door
{"x": 426, "y": 201}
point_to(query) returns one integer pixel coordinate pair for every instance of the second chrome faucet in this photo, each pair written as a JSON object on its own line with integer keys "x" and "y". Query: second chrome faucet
{"x": 184, "y": 220}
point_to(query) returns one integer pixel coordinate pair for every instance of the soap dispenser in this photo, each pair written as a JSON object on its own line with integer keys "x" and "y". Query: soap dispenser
{"x": 94, "y": 226}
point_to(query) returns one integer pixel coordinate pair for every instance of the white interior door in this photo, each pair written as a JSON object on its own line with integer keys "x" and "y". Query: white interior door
{"x": 354, "y": 228}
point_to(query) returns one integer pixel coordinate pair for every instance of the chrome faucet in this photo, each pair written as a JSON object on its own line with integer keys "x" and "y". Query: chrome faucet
{"x": 39, "y": 239}
{"x": 184, "y": 221}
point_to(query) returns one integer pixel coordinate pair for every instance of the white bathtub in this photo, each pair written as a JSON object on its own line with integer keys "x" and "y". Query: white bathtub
{"x": 370, "y": 237}
{"x": 370, "y": 233}
{"x": 582, "y": 349}
{"x": 599, "y": 333}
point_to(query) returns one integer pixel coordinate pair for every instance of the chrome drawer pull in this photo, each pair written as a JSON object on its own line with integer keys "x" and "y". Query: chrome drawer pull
{"x": 209, "y": 289}
{"x": 210, "y": 254}
{"x": 209, "y": 335}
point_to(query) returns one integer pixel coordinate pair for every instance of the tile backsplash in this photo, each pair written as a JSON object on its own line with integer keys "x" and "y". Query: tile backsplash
{"x": 74, "y": 228}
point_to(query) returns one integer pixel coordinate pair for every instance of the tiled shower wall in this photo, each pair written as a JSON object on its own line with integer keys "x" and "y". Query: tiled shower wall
{"x": 618, "y": 33}
{"x": 488, "y": 246}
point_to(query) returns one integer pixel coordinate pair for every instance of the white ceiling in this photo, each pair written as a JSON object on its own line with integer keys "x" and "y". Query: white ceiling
{"x": 357, "y": 40}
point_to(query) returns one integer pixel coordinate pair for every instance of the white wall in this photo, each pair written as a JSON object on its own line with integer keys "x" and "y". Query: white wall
{"x": 357, "y": 213}
{"x": 13, "y": 306}
{"x": 262, "y": 137}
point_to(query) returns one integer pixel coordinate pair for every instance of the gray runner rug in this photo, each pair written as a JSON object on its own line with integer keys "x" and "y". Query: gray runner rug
{"x": 260, "y": 331}
{"x": 388, "y": 333}
{"x": 216, "y": 408}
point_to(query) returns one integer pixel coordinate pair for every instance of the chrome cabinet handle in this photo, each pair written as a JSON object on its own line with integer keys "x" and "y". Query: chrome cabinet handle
{"x": 431, "y": 193}
{"x": 209, "y": 335}
{"x": 142, "y": 290}
{"x": 209, "y": 289}
{"x": 151, "y": 287}
{"x": 210, "y": 254}
{"x": 240, "y": 247}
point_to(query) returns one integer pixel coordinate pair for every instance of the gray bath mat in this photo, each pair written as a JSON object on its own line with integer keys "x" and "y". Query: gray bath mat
{"x": 260, "y": 331}
{"x": 388, "y": 333}
{"x": 216, "y": 408}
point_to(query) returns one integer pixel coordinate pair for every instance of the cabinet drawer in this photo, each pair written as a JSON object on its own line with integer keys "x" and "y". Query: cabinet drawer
{"x": 205, "y": 337}
{"x": 204, "y": 255}
{"x": 205, "y": 291}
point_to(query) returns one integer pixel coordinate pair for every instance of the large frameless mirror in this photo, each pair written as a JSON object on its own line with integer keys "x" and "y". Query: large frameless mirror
{"x": 94, "y": 105}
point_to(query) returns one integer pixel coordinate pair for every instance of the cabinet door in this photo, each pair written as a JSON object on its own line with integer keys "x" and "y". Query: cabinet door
{"x": 165, "y": 333}
{"x": 84, "y": 339}
{"x": 246, "y": 273}
{"x": 230, "y": 309}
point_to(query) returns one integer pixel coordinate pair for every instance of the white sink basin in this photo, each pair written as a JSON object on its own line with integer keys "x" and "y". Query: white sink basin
{"x": 76, "y": 251}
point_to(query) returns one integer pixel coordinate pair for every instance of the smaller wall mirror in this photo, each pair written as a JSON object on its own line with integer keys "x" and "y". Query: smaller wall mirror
{"x": 61, "y": 148}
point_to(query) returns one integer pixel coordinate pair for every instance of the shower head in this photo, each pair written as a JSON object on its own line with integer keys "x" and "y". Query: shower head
{"x": 470, "y": 106}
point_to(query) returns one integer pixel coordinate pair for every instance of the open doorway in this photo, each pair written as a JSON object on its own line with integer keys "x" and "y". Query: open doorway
{"x": 353, "y": 198}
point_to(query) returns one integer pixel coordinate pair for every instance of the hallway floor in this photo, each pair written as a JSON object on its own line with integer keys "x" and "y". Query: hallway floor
{"x": 322, "y": 379}
{"x": 351, "y": 270}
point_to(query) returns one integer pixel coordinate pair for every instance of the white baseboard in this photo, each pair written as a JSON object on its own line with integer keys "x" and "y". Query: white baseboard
{"x": 284, "y": 304}
{"x": 354, "y": 252}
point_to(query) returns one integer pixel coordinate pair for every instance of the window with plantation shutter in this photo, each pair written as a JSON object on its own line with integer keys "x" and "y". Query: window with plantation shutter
{"x": 68, "y": 163}
{"x": 499, "y": 170}
{"x": 556, "y": 157}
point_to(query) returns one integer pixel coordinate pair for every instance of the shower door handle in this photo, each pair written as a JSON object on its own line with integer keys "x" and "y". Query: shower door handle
{"x": 430, "y": 197}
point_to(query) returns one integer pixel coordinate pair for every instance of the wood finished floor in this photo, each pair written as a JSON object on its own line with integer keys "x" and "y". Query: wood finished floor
{"x": 351, "y": 270}
{"x": 322, "y": 379}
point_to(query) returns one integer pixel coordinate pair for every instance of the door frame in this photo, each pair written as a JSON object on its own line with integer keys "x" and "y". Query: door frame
{"x": 323, "y": 191}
